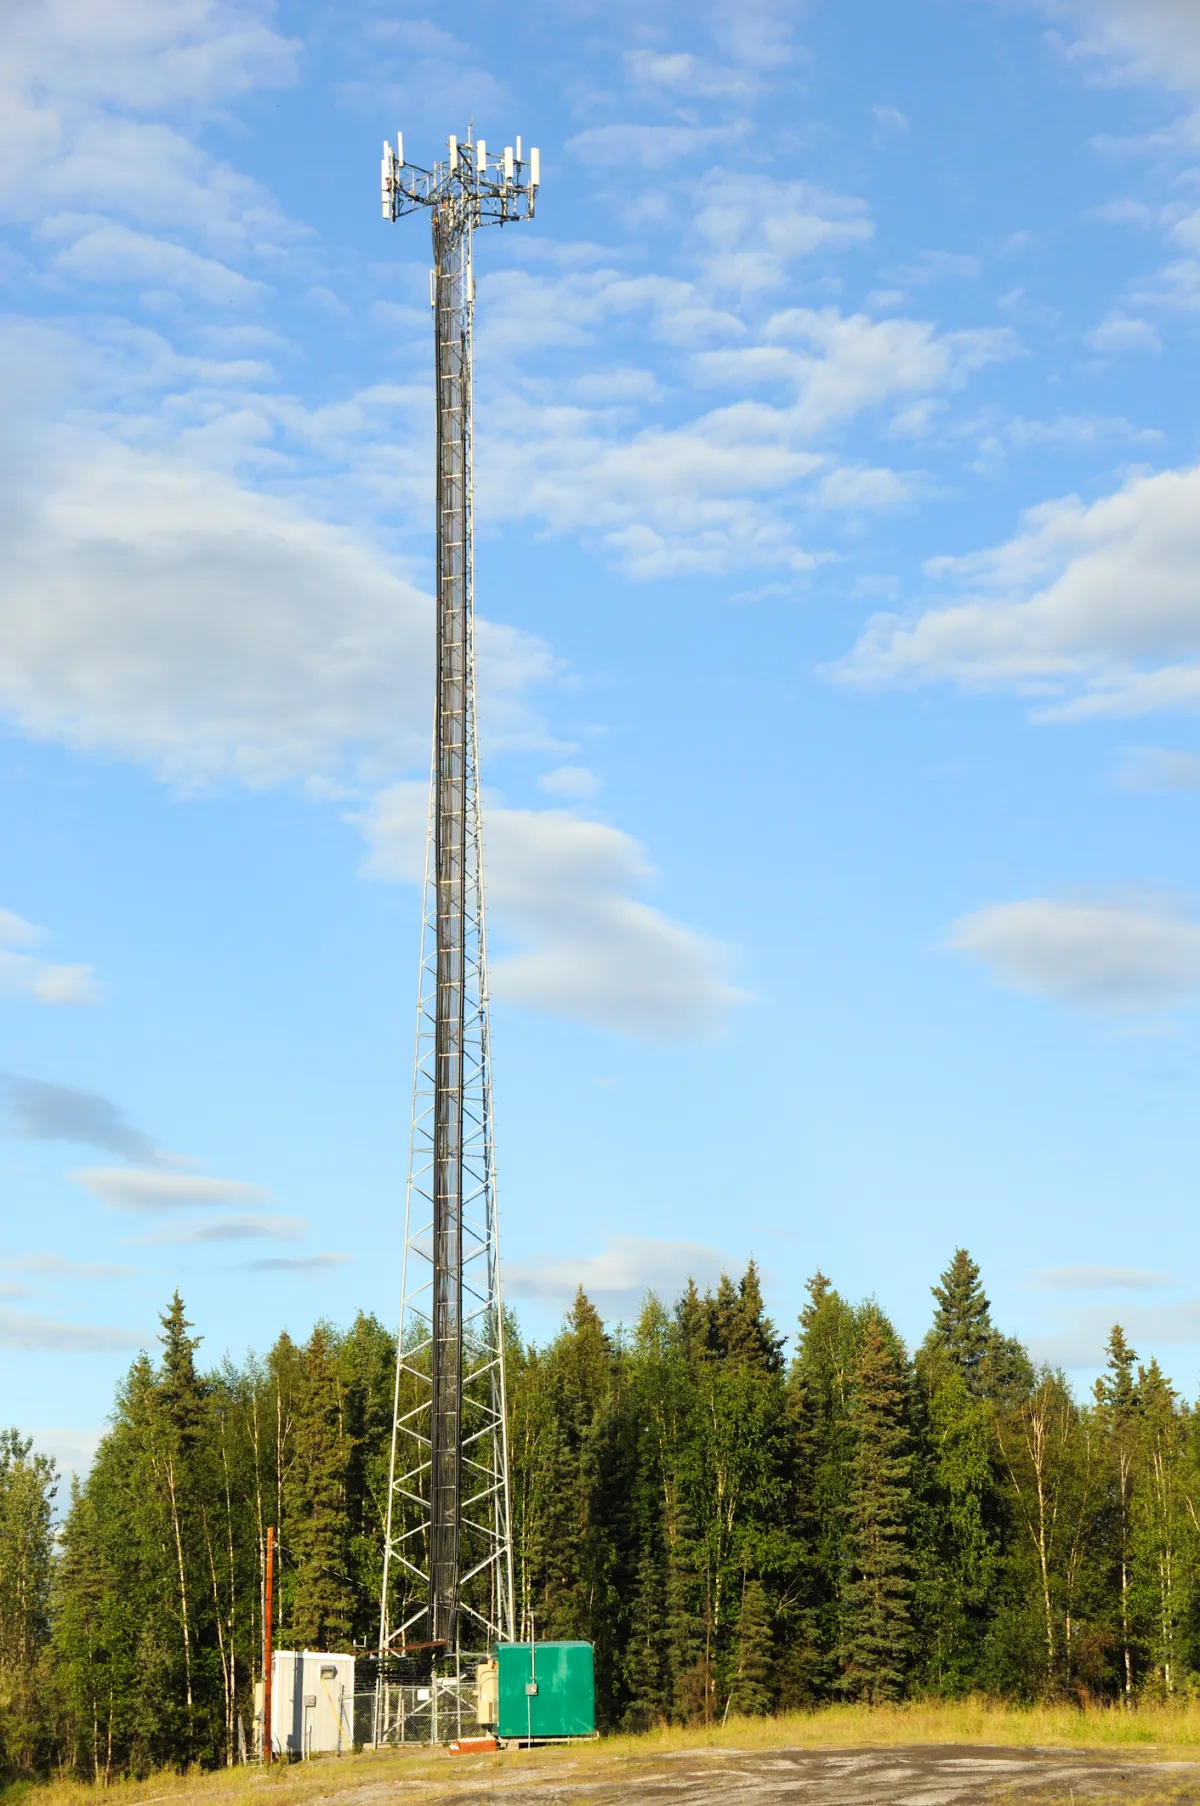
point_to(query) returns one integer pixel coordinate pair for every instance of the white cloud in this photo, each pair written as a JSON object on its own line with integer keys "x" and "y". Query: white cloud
{"x": 154, "y": 608}
{"x": 1175, "y": 285}
{"x": 63, "y": 985}
{"x": 618, "y": 1279}
{"x": 755, "y": 228}
{"x": 715, "y": 493}
{"x": 1094, "y": 609}
{"x": 1157, "y": 40}
{"x": 151, "y": 54}
{"x": 1098, "y": 955}
{"x": 57, "y": 1266}
{"x": 300, "y": 1263}
{"x": 573, "y": 782}
{"x": 14, "y": 932}
{"x": 132, "y": 1188}
{"x": 646, "y": 146}
{"x": 104, "y": 252}
{"x": 851, "y": 362}
{"x": 71, "y": 73}
{"x": 855, "y": 487}
{"x": 690, "y": 77}
{"x": 1120, "y": 332}
{"x": 564, "y": 890}
{"x": 38, "y": 1335}
{"x": 21, "y": 973}
{"x": 1097, "y": 1279}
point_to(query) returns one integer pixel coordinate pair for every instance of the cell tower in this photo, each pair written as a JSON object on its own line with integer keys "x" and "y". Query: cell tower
{"x": 447, "y": 1562}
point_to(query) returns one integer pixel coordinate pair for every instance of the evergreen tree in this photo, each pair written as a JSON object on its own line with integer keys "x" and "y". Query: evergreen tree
{"x": 752, "y": 1687}
{"x": 366, "y": 1359}
{"x": 820, "y": 1391}
{"x": 318, "y": 1604}
{"x": 962, "y": 1324}
{"x": 877, "y": 1648}
{"x": 27, "y": 1488}
{"x": 958, "y": 1527}
{"x": 738, "y": 1326}
{"x": 731, "y": 1539}
{"x": 1117, "y": 1405}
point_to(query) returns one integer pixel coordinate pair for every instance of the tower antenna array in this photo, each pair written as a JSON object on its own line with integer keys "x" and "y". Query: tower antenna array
{"x": 447, "y": 1559}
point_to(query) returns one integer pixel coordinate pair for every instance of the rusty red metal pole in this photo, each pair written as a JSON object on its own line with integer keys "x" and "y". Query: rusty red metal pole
{"x": 268, "y": 1651}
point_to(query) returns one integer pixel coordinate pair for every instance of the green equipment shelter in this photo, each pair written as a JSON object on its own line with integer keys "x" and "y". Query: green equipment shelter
{"x": 547, "y": 1690}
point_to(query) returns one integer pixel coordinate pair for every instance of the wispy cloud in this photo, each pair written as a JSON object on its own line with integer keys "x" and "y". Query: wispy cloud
{"x": 1091, "y": 609}
{"x": 57, "y": 1266}
{"x": 1098, "y": 955}
{"x": 565, "y": 890}
{"x": 575, "y": 782}
{"x": 45, "y": 1112}
{"x": 39, "y": 1335}
{"x": 230, "y": 1229}
{"x": 646, "y": 146}
{"x": 1097, "y": 1279}
{"x": 38, "y": 978}
{"x": 618, "y": 1278}
{"x": 131, "y": 1188}
{"x": 299, "y": 1263}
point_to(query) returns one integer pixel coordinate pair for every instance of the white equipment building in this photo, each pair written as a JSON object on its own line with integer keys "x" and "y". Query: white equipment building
{"x": 312, "y": 1704}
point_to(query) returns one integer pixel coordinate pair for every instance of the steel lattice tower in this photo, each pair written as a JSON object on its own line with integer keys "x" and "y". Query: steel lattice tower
{"x": 447, "y": 1564}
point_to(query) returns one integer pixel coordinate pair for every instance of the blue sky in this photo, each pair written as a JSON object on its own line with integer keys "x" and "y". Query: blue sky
{"x": 839, "y": 528}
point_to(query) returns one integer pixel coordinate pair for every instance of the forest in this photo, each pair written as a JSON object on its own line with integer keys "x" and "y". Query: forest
{"x": 736, "y": 1530}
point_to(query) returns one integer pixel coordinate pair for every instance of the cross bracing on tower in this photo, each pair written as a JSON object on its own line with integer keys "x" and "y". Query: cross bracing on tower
{"x": 447, "y": 1565}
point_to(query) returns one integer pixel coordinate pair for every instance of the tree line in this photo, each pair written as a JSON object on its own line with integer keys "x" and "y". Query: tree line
{"x": 735, "y": 1531}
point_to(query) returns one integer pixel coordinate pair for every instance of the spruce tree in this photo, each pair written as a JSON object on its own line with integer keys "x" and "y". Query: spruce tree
{"x": 751, "y": 1689}
{"x": 173, "y": 1410}
{"x": 820, "y": 1386}
{"x": 739, "y": 1328}
{"x": 27, "y": 1487}
{"x": 962, "y": 1324}
{"x": 1163, "y": 1534}
{"x": 1117, "y": 1405}
{"x": 319, "y": 1606}
{"x": 877, "y": 1648}
{"x": 647, "y": 1654}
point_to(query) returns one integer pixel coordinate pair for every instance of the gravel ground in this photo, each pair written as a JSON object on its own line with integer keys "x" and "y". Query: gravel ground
{"x": 921, "y": 1775}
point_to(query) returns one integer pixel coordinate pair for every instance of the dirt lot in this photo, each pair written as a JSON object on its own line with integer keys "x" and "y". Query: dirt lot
{"x": 917, "y": 1775}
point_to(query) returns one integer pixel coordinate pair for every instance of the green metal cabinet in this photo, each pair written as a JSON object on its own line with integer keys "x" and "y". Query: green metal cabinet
{"x": 546, "y": 1690}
